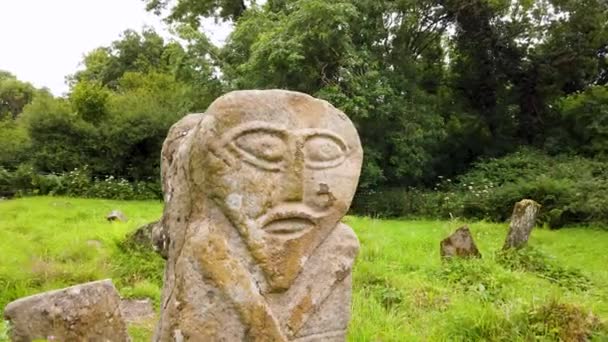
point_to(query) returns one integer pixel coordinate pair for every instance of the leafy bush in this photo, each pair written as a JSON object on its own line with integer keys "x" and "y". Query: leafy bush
{"x": 570, "y": 189}
{"x": 473, "y": 276}
{"x": 77, "y": 183}
{"x": 15, "y": 143}
{"x": 532, "y": 260}
{"x": 582, "y": 125}
{"x": 562, "y": 322}
{"x": 401, "y": 202}
{"x": 6, "y": 182}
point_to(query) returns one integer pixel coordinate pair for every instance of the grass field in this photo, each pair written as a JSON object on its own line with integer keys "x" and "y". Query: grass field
{"x": 557, "y": 289}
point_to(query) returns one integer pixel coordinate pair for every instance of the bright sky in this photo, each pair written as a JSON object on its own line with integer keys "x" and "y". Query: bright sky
{"x": 42, "y": 41}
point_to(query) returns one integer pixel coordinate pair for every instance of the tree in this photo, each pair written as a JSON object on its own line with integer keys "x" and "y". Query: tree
{"x": 14, "y": 144}
{"x": 61, "y": 141}
{"x": 513, "y": 59}
{"x": 147, "y": 52}
{"x": 89, "y": 100}
{"x": 14, "y": 95}
{"x": 190, "y": 11}
{"x": 582, "y": 124}
{"x": 133, "y": 52}
{"x": 380, "y": 61}
{"x": 141, "y": 114}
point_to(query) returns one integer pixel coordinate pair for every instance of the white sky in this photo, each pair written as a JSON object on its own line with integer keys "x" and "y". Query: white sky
{"x": 42, "y": 41}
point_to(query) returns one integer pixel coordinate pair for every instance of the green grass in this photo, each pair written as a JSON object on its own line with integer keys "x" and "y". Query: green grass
{"x": 402, "y": 290}
{"x": 54, "y": 242}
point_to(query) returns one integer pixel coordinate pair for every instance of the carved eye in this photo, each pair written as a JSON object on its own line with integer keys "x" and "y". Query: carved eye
{"x": 324, "y": 151}
{"x": 262, "y": 148}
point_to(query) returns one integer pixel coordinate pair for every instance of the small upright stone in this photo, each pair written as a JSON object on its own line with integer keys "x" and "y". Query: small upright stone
{"x": 459, "y": 244}
{"x": 152, "y": 235}
{"x": 85, "y": 312}
{"x": 522, "y": 222}
{"x": 254, "y": 192}
{"x": 116, "y": 215}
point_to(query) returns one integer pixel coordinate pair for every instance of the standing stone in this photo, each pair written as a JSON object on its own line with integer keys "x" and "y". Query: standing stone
{"x": 522, "y": 222}
{"x": 254, "y": 192}
{"x": 153, "y": 236}
{"x": 459, "y": 244}
{"x": 116, "y": 215}
{"x": 85, "y": 312}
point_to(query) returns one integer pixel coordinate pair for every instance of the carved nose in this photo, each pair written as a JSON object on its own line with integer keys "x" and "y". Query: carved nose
{"x": 294, "y": 187}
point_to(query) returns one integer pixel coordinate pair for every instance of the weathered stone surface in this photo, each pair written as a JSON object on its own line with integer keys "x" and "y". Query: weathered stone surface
{"x": 459, "y": 244}
{"x": 523, "y": 220}
{"x": 152, "y": 235}
{"x": 116, "y": 215}
{"x": 254, "y": 192}
{"x": 136, "y": 310}
{"x": 86, "y": 312}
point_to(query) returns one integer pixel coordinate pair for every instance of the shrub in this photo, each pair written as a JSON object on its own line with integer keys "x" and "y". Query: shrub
{"x": 473, "y": 276}
{"x": 562, "y": 322}
{"x": 6, "y": 183}
{"x": 400, "y": 202}
{"x": 78, "y": 183}
{"x": 582, "y": 123}
{"x": 15, "y": 143}
{"x": 532, "y": 260}
{"x": 570, "y": 189}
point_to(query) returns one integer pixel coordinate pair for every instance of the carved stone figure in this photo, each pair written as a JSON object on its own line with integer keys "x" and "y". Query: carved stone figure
{"x": 254, "y": 192}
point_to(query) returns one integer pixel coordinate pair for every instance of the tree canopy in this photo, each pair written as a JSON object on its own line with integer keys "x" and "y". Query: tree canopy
{"x": 432, "y": 85}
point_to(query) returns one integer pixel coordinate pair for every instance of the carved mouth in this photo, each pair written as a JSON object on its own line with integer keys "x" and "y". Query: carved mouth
{"x": 288, "y": 224}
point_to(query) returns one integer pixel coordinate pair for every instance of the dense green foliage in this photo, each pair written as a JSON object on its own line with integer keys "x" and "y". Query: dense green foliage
{"x": 436, "y": 88}
{"x": 117, "y": 113}
{"x": 78, "y": 183}
{"x": 555, "y": 289}
{"x": 571, "y": 190}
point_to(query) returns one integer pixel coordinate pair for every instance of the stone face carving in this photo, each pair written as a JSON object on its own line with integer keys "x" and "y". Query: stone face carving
{"x": 85, "y": 312}
{"x": 254, "y": 192}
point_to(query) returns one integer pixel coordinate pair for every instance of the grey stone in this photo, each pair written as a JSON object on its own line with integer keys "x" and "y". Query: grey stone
{"x": 254, "y": 191}
{"x": 523, "y": 220}
{"x": 153, "y": 236}
{"x": 136, "y": 310}
{"x": 459, "y": 244}
{"x": 85, "y": 312}
{"x": 116, "y": 215}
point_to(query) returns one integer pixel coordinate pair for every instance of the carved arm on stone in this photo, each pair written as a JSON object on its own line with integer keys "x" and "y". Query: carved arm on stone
{"x": 337, "y": 254}
{"x": 309, "y": 292}
{"x": 238, "y": 285}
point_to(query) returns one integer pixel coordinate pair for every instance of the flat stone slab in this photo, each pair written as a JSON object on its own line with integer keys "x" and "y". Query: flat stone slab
{"x": 85, "y": 312}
